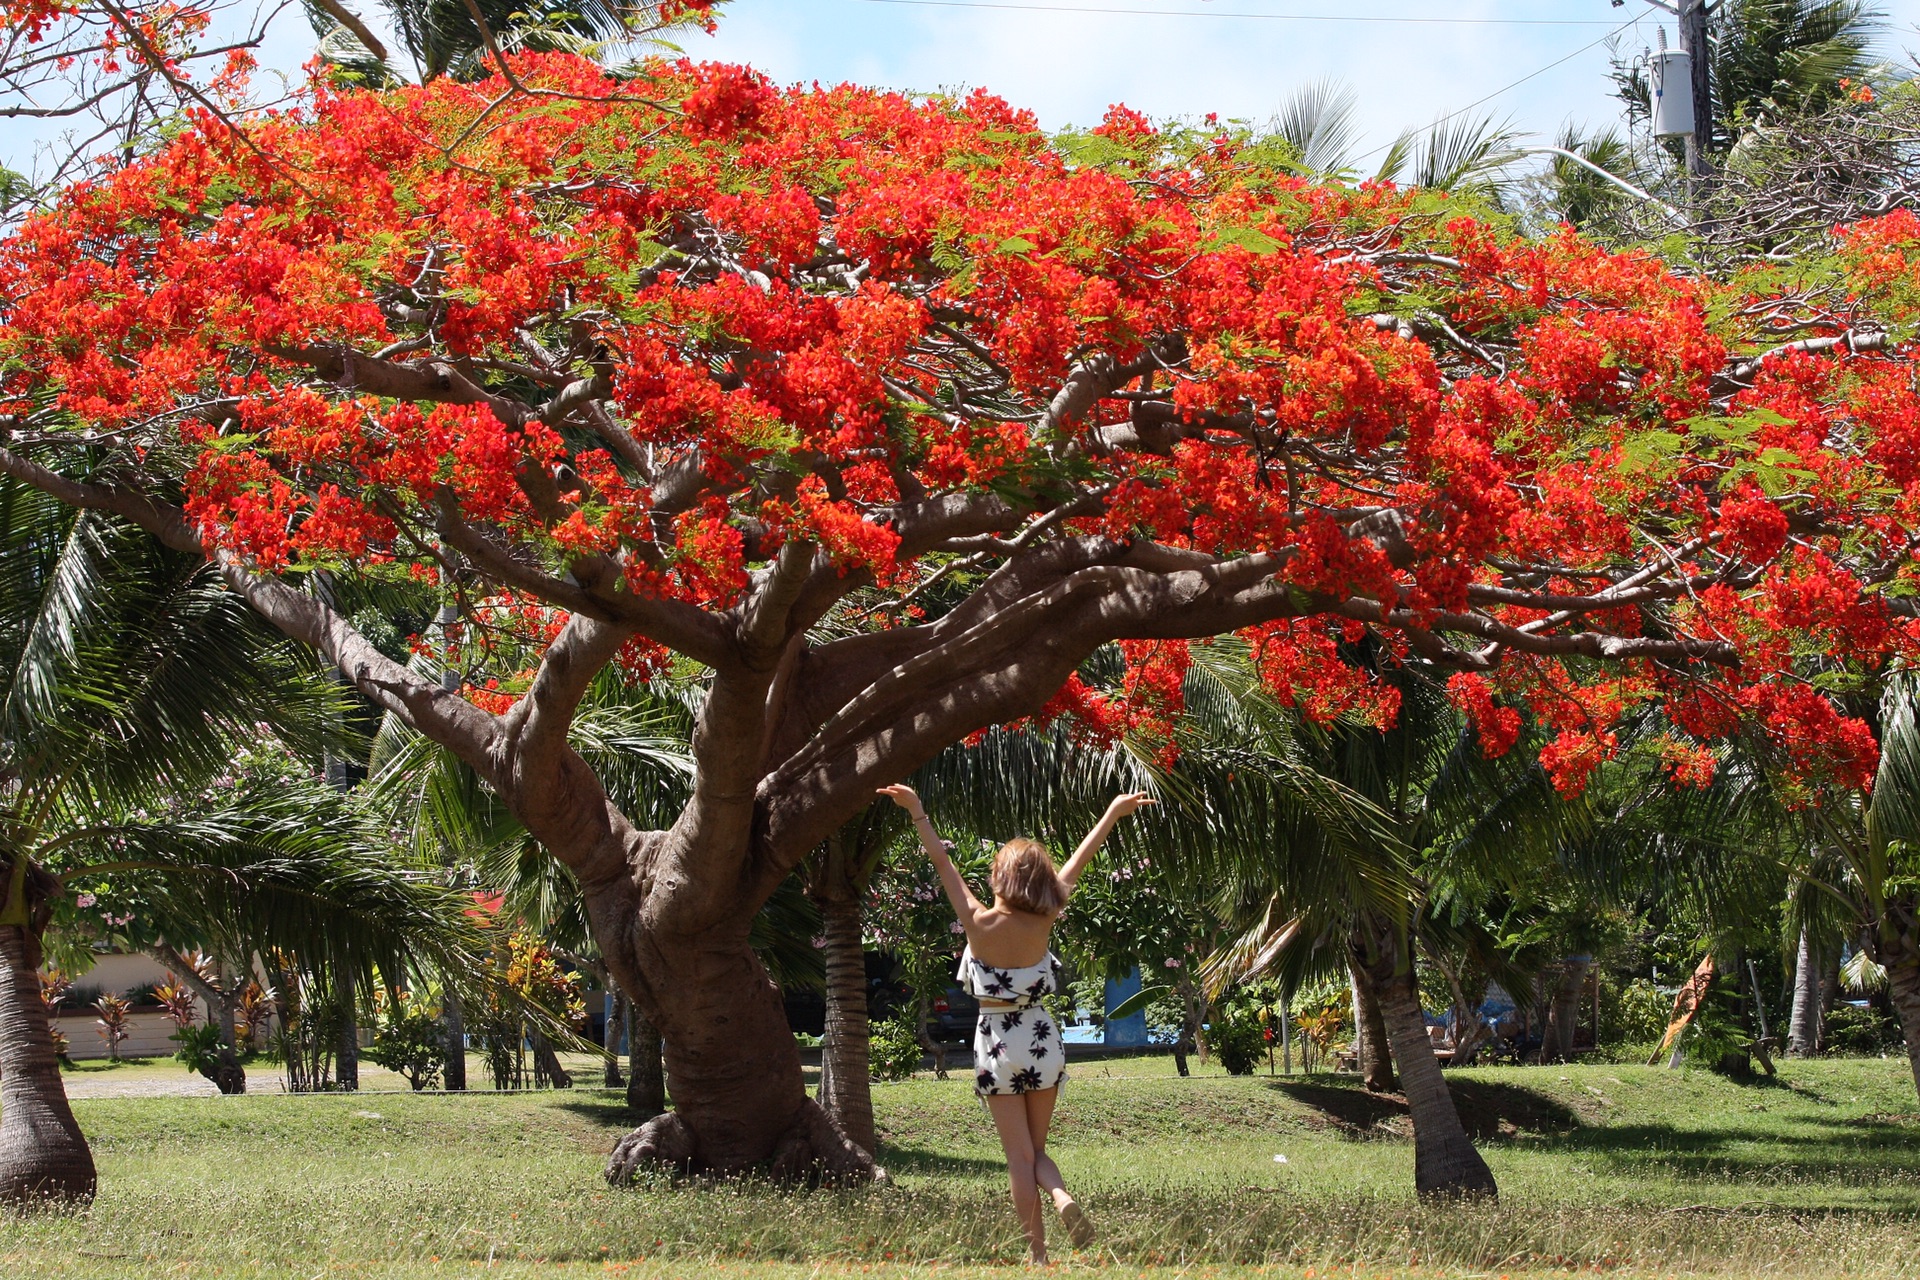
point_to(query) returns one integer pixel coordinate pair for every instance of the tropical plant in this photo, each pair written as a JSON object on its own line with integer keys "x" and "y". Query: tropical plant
{"x": 130, "y": 684}
{"x": 1779, "y": 58}
{"x": 894, "y": 1049}
{"x": 408, "y": 1039}
{"x": 111, "y": 1026}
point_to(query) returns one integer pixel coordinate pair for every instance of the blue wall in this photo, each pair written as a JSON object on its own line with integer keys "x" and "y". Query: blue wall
{"x": 1130, "y": 1032}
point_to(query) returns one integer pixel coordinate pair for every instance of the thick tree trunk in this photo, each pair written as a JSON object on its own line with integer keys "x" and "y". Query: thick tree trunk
{"x": 845, "y": 1084}
{"x": 43, "y": 1155}
{"x": 646, "y": 1077}
{"x": 1563, "y": 1014}
{"x": 1445, "y": 1163}
{"x": 453, "y": 1069}
{"x": 739, "y": 1098}
{"x": 1903, "y": 987}
{"x": 1803, "y": 1028}
{"x": 1370, "y": 1035}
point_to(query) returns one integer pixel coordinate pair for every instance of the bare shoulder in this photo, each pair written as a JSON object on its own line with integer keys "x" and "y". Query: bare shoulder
{"x": 1009, "y": 939}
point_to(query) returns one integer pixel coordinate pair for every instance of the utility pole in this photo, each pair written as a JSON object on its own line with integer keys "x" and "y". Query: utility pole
{"x": 1692, "y": 21}
{"x": 1693, "y": 39}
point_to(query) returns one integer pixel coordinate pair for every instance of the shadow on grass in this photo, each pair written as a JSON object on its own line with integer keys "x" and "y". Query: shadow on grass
{"x": 922, "y": 1160}
{"x": 1489, "y": 1109}
{"x": 610, "y": 1114}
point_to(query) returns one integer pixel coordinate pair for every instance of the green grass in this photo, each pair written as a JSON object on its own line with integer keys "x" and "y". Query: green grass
{"x": 1620, "y": 1169}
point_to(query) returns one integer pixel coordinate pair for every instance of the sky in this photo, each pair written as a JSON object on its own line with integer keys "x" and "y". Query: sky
{"x": 1538, "y": 64}
{"x": 1067, "y": 60}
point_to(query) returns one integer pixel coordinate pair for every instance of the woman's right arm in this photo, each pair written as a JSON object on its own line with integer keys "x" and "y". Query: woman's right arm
{"x": 965, "y": 906}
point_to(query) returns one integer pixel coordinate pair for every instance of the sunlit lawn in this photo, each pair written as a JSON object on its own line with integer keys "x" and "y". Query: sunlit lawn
{"x": 1631, "y": 1170}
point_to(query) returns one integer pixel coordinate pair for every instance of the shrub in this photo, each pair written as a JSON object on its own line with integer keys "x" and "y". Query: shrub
{"x": 1238, "y": 1031}
{"x": 894, "y": 1050}
{"x": 1854, "y": 1031}
{"x": 1641, "y": 1015}
{"x": 410, "y": 1041}
{"x": 199, "y": 1048}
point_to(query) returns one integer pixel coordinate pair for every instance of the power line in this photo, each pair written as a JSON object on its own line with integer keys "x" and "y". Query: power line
{"x": 1531, "y": 75}
{"x": 1251, "y": 17}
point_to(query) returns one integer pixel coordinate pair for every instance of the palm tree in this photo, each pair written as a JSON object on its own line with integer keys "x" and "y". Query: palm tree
{"x": 1337, "y": 847}
{"x": 452, "y": 37}
{"x": 1773, "y": 58}
{"x": 129, "y": 677}
{"x": 1874, "y": 842}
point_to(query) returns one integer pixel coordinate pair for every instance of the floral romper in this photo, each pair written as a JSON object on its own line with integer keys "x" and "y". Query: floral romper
{"x": 1015, "y": 1050}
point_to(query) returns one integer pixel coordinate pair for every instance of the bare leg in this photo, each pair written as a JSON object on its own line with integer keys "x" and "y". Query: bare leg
{"x": 1046, "y": 1173}
{"x": 1010, "y": 1119}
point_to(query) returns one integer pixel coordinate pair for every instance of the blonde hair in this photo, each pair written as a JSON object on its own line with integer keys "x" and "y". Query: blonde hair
{"x": 1025, "y": 879}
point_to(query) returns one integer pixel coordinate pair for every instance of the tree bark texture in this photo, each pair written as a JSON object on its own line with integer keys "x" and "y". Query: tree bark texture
{"x": 845, "y": 1082}
{"x": 453, "y": 1070}
{"x": 44, "y": 1156}
{"x": 1370, "y": 1035}
{"x": 1445, "y": 1163}
{"x": 646, "y": 1076}
{"x": 1803, "y": 1028}
{"x": 1903, "y": 989}
{"x": 346, "y": 1065}
{"x": 610, "y": 1042}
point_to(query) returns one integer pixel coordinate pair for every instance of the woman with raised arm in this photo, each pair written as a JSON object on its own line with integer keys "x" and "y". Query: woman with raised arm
{"x": 1019, "y": 1060}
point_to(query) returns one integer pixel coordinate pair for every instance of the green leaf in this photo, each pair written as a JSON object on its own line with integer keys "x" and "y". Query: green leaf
{"x": 1247, "y": 238}
{"x": 1136, "y": 1002}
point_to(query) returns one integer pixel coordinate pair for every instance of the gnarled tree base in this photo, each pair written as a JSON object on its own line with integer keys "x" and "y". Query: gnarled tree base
{"x": 812, "y": 1150}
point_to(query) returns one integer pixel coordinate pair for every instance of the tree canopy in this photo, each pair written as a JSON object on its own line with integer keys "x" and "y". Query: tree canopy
{"x": 619, "y": 344}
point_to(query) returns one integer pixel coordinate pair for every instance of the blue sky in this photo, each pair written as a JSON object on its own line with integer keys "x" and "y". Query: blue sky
{"x": 1190, "y": 57}
{"x": 1069, "y": 59}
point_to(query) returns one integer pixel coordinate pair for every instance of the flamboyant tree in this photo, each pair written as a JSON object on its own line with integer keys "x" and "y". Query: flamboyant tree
{"x": 888, "y": 412}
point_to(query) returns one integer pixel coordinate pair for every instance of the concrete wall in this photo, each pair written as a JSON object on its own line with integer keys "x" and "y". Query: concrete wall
{"x": 147, "y": 1029}
{"x": 147, "y": 1034}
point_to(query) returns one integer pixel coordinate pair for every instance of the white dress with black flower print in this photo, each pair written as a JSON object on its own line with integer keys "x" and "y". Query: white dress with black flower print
{"x": 1015, "y": 1050}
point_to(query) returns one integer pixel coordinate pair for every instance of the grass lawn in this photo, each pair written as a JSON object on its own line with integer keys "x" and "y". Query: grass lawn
{"x": 1631, "y": 1171}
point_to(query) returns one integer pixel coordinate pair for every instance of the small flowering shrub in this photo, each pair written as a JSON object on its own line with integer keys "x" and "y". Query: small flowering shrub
{"x": 410, "y": 1040}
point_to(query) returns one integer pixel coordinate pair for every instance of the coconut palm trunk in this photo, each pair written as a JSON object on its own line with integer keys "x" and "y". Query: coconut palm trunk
{"x": 1903, "y": 992}
{"x": 1370, "y": 1035}
{"x": 845, "y": 1089}
{"x": 43, "y": 1155}
{"x": 1563, "y": 1012}
{"x": 1803, "y": 1028}
{"x": 1445, "y": 1163}
{"x": 453, "y": 1072}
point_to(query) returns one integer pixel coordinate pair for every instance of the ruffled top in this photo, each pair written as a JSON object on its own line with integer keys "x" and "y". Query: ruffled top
{"x": 1022, "y": 987}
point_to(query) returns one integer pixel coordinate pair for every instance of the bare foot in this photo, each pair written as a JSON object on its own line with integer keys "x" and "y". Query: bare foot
{"x": 1079, "y": 1225}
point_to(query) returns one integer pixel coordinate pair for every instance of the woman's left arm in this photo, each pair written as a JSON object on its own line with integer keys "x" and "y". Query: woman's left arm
{"x": 1120, "y": 808}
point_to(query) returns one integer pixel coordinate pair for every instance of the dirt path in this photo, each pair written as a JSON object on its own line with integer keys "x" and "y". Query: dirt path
{"x": 181, "y": 1085}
